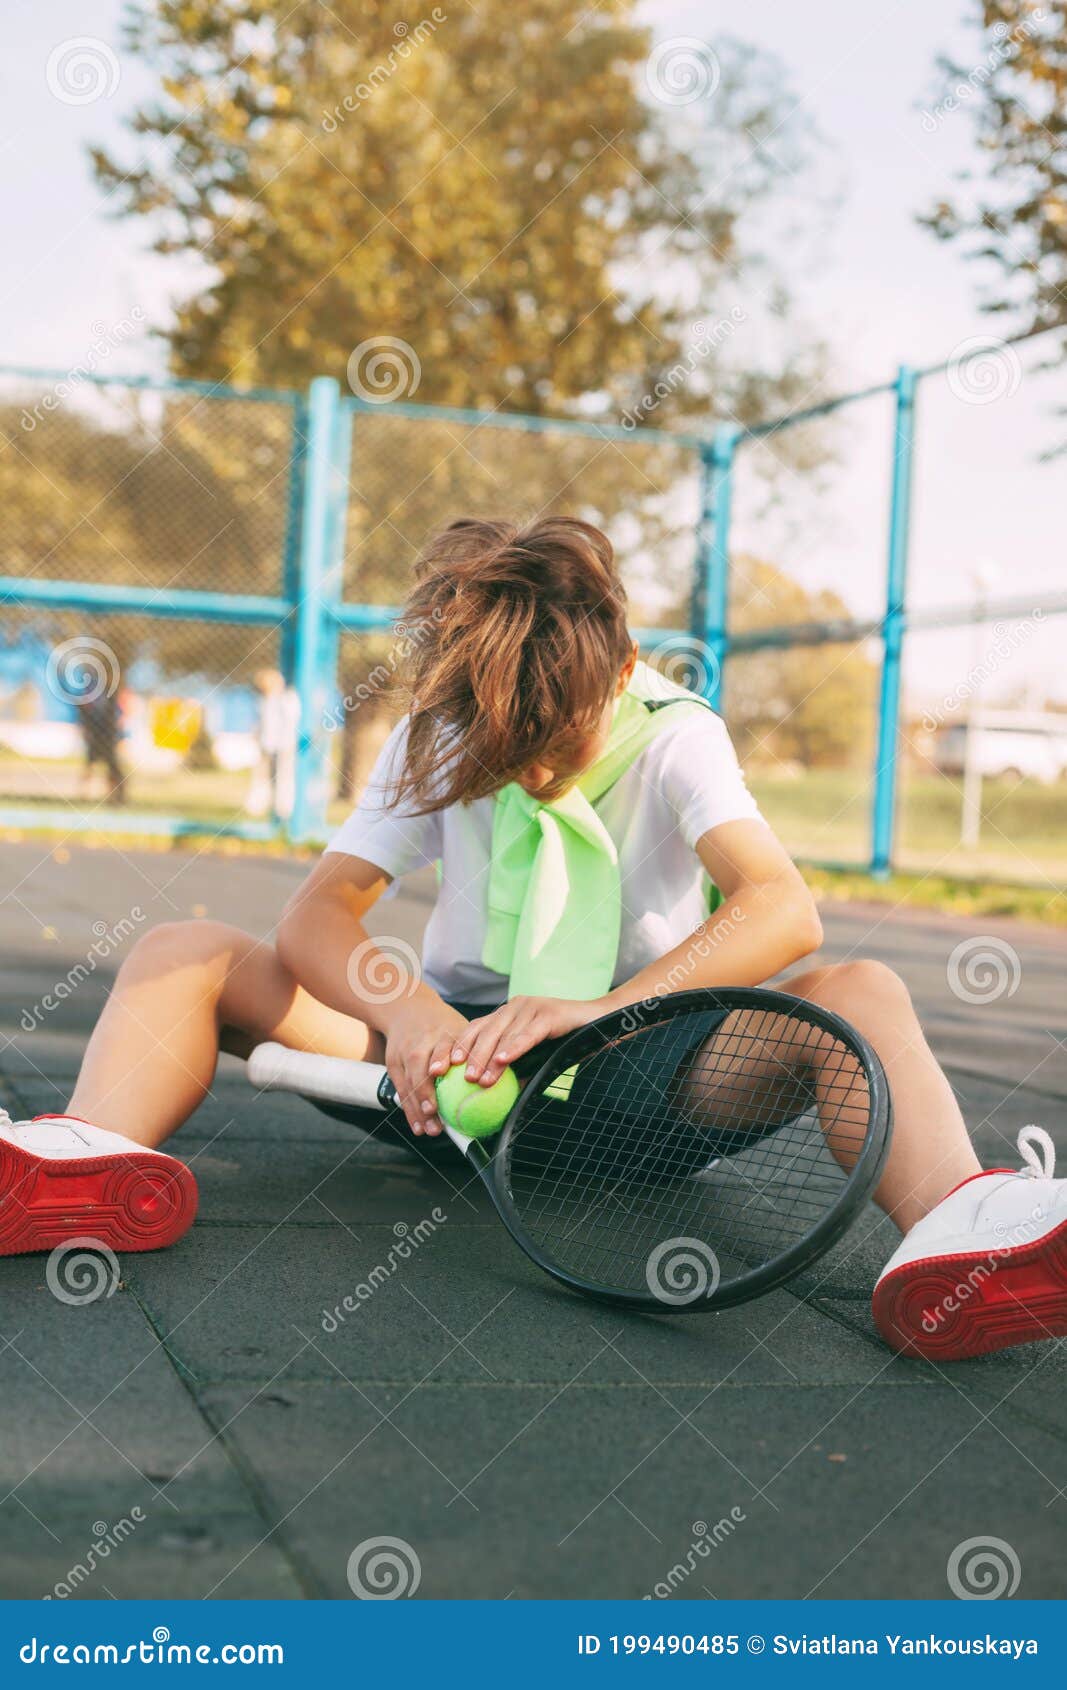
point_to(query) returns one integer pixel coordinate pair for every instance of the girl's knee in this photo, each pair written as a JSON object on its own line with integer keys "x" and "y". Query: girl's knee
{"x": 182, "y": 944}
{"x": 861, "y": 985}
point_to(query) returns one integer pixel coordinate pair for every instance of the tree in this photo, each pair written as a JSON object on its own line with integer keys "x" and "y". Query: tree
{"x": 812, "y": 705}
{"x": 514, "y": 207}
{"x": 1013, "y": 214}
{"x": 151, "y": 491}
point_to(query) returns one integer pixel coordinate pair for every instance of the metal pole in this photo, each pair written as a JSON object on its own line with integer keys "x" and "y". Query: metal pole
{"x": 308, "y": 820}
{"x": 333, "y": 594}
{"x": 885, "y": 774}
{"x": 711, "y": 597}
{"x": 102, "y": 598}
{"x": 292, "y": 541}
{"x": 971, "y": 802}
{"x": 984, "y": 575}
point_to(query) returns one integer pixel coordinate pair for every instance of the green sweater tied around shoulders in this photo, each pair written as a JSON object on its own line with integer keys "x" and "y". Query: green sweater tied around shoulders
{"x": 555, "y": 893}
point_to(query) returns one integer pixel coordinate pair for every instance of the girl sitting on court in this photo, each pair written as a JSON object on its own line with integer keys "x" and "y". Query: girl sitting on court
{"x": 526, "y": 694}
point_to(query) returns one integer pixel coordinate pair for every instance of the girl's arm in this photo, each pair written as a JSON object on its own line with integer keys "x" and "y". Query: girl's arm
{"x": 766, "y": 921}
{"x": 326, "y": 948}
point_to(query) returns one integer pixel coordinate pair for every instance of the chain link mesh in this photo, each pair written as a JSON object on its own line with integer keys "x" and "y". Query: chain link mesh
{"x": 157, "y": 492}
{"x": 120, "y": 497}
{"x": 414, "y": 475}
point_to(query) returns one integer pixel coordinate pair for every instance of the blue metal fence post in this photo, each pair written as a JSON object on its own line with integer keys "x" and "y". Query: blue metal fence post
{"x": 333, "y": 584}
{"x": 885, "y": 774}
{"x": 294, "y": 508}
{"x": 308, "y": 820}
{"x": 710, "y": 600}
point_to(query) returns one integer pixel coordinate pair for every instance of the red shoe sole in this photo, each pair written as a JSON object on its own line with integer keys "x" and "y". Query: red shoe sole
{"x": 974, "y": 1304}
{"x": 134, "y": 1202}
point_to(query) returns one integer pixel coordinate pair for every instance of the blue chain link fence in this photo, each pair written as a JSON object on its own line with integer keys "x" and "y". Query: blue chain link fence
{"x": 199, "y": 591}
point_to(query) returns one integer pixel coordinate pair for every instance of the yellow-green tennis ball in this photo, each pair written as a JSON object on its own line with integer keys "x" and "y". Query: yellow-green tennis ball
{"x": 477, "y": 1111}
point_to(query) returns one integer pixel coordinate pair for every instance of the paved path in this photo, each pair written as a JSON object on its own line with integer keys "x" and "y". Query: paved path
{"x": 211, "y": 1424}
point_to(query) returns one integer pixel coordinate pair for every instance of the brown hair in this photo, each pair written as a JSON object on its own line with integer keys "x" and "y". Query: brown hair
{"x": 527, "y": 634}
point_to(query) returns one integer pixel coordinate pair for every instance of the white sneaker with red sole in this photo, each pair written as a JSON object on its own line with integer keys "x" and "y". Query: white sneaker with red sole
{"x": 61, "y": 1178}
{"x": 985, "y": 1269}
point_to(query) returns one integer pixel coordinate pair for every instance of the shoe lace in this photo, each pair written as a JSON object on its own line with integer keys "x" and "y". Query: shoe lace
{"x": 1038, "y": 1153}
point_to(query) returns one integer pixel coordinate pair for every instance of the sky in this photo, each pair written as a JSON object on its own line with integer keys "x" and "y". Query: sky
{"x": 882, "y": 290}
{"x": 877, "y": 289}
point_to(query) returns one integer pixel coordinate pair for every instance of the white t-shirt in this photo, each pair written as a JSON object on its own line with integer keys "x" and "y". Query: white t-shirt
{"x": 684, "y": 782}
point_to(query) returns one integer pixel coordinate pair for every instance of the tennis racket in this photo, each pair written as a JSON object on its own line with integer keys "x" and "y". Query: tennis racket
{"x": 686, "y": 1153}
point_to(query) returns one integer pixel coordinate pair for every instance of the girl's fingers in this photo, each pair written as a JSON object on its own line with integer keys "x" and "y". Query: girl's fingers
{"x": 463, "y": 1046}
{"x": 490, "y": 1045}
{"x": 410, "y": 1095}
{"x": 414, "y": 1069}
{"x": 441, "y": 1056}
{"x": 514, "y": 1040}
{"x": 520, "y": 1037}
{"x": 439, "y": 1063}
{"x": 412, "y": 1105}
{"x": 488, "y": 1034}
{"x": 475, "y": 1032}
{"x": 405, "y": 1099}
{"x": 424, "y": 1096}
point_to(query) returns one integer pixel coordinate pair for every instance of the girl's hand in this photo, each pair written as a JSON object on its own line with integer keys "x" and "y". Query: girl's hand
{"x": 418, "y": 1047}
{"x": 494, "y": 1041}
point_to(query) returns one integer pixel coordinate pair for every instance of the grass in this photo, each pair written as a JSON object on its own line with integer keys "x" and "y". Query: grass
{"x": 212, "y": 796}
{"x": 979, "y": 899}
{"x": 824, "y": 816}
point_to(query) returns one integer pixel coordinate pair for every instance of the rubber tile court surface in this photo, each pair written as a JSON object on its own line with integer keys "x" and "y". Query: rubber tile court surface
{"x": 219, "y": 1426}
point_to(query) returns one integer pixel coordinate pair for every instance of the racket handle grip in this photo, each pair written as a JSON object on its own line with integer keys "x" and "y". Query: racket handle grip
{"x": 331, "y": 1079}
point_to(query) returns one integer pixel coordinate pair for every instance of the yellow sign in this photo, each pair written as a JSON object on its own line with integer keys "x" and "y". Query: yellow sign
{"x": 175, "y": 722}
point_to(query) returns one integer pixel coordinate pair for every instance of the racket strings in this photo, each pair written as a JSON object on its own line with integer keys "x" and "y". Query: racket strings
{"x": 735, "y": 1133}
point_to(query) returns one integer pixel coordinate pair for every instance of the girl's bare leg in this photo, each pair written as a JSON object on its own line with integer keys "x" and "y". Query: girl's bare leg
{"x": 768, "y": 1068}
{"x": 930, "y": 1151}
{"x": 187, "y": 990}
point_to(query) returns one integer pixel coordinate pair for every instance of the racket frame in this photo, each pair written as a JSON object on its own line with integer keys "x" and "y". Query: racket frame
{"x": 598, "y": 1035}
{"x": 366, "y": 1085}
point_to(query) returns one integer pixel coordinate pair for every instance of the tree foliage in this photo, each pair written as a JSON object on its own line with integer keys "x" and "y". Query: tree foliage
{"x": 156, "y": 492}
{"x": 510, "y": 191}
{"x": 1011, "y": 212}
{"x": 811, "y": 706}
